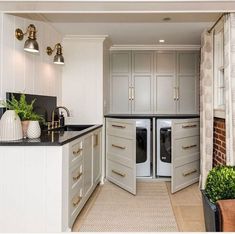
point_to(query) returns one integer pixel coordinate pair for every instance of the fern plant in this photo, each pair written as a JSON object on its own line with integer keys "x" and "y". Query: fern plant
{"x": 22, "y": 108}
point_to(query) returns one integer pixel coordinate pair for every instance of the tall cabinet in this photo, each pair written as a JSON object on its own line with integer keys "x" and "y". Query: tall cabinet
{"x": 161, "y": 82}
{"x": 131, "y": 83}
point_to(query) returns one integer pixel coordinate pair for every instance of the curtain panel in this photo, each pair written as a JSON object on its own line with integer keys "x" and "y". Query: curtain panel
{"x": 229, "y": 76}
{"x": 206, "y": 106}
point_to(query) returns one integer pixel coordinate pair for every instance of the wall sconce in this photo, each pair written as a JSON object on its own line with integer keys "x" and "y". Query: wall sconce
{"x": 58, "y": 58}
{"x": 30, "y": 44}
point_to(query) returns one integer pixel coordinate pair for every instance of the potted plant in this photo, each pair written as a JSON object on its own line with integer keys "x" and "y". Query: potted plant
{"x": 220, "y": 185}
{"x": 24, "y": 111}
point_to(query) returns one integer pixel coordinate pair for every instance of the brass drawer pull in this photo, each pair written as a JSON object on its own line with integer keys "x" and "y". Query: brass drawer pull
{"x": 188, "y": 147}
{"x": 76, "y": 153}
{"x": 119, "y": 147}
{"x": 119, "y": 173}
{"x": 118, "y": 126}
{"x": 190, "y": 126}
{"x": 190, "y": 172}
{"x": 96, "y": 139}
{"x": 129, "y": 93}
{"x": 76, "y": 200}
{"x": 75, "y": 178}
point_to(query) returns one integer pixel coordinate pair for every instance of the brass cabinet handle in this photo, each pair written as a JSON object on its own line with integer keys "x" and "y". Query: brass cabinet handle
{"x": 190, "y": 172}
{"x": 118, "y": 126}
{"x": 189, "y": 147}
{"x": 119, "y": 173}
{"x": 129, "y": 93}
{"x": 118, "y": 146}
{"x": 133, "y": 94}
{"x": 76, "y": 153}
{"x": 178, "y": 93}
{"x": 76, "y": 200}
{"x": 76, "y": 178}
{"x": 190, "y": 126}
{"x": 96, "y": 141}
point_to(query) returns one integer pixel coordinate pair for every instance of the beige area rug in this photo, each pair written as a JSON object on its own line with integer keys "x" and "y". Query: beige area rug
{"x": 116, "y": 210}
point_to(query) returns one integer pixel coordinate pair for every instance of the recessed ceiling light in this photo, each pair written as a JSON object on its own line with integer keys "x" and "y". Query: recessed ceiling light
{"x": 166, "y": 19}
{"x": 161, "y": 41}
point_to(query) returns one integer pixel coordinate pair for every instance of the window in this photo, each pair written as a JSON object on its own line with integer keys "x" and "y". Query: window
{"x": 219, "y": 83}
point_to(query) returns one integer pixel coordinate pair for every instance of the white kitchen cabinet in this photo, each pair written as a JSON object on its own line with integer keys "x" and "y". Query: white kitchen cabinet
{"x": 120, "y": 83}
{"x": 131, "y": 82}
{"x": 87, "y": 163}
{"x": 48, "y": 192}
{"x": 185, "y": 153}
{"x": 188, "y": 83}
{"x": 97, "y": 148}
{"x": 121, "y": 153}
{"x": 176, "y": 82}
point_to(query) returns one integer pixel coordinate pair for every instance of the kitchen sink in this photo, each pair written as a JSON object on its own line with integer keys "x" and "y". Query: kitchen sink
{"x": 72, "y": 128}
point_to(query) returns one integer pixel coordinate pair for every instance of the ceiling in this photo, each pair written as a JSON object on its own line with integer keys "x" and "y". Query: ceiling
{"x": 133, "y": 28}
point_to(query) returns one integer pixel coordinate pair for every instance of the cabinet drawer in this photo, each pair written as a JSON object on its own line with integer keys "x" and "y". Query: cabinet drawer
{"x": 121, "y": 128}
{"x": 186, "y": 174}
{"x": 75, "y": 201}
{"x": 186, "y": 128}
{"x": 120, "y": 150}
{"x": 75, "y": 153}
{"x": 121, "y": 175}
{"x": 186, "y": 149}
{"x": 75, "y": 174}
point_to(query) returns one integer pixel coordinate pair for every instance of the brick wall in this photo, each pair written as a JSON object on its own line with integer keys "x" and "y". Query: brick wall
{"x": 219, "y": 149}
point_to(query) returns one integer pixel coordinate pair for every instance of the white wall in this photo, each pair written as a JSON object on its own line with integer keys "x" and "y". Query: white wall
{"x": 82, "y": 79}
{"x": 24, "y": 72}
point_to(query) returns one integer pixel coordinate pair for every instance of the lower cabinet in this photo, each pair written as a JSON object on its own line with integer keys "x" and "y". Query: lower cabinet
{"x": 84, "y": 171}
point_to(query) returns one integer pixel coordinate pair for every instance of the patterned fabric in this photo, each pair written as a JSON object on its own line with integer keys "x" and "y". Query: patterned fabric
{"x": 206, "y": 106}
{"x": 229, "y": 73}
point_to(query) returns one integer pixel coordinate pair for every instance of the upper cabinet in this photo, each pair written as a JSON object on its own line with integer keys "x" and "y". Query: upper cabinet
{"x": 161, "y": 82}
{"x": 131, "y": 82}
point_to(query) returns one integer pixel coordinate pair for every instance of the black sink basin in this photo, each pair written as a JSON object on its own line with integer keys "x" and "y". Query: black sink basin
{"x": 72, "y": 128}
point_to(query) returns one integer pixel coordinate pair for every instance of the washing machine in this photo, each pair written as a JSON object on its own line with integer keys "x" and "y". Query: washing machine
{"x": 163, "y": 138}
{"x": 143, "y": 147}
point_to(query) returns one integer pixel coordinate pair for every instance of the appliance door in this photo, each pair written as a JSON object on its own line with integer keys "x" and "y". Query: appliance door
{"x": 141, "y": 145}
{"x": 165, "y": 144}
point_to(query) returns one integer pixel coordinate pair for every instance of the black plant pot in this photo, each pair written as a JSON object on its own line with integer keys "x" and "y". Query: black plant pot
{"x": 211, "y": 214}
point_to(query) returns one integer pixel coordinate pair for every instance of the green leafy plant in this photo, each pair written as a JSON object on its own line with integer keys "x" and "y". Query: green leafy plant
{"x": 220, "y": 183}
{"x": 22, "y": 108}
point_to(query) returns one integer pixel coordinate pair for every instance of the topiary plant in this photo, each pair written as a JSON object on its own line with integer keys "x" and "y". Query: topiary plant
{"x": 220, "y": 183}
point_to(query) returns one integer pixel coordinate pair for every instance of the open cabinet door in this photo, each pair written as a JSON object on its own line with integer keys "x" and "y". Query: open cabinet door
{"x": 121, "y": 153}
{"x": 185, "y": 153}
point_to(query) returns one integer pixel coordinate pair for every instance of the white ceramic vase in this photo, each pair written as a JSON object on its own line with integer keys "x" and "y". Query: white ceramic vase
{"x": 34, "y": 130}
{"x": 10, "y": 126}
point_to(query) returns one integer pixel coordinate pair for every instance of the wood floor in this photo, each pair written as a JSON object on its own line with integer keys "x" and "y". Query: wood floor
{"x": 186, "y": 204}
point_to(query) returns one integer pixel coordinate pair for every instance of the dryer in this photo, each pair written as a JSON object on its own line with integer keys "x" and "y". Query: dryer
{"x": 163, "y": 138}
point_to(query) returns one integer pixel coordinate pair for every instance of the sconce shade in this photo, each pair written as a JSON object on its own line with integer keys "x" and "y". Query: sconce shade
{"x": 58, "y": 59}
{"x": 31, "y": 45}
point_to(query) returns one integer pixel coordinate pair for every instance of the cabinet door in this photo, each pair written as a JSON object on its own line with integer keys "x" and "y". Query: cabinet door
{"x": 188, "y": 83}
{"x": 121, "y": 153}
{"x": 96, "y": 155}
{"x": 87, "y": 163}
{"x": 165, "y": 83}
{"x": 185, "y": 153}
{"x": 142, "y": 82}
{"x": 120, "y": 73}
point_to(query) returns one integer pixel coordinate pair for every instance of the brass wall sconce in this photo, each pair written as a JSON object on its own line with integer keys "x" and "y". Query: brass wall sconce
{"x": 58, "y": 58}
{"x": 30, "y": 44}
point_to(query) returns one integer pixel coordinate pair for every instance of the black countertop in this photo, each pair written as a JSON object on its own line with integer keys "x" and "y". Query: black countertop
{"x": 159, "y": 116}
{"x": 51, "y": 138}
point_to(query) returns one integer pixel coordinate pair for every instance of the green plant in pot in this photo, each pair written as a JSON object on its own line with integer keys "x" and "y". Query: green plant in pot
{"x": 220, "y": 185}
{"x": 24, "y": 110}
